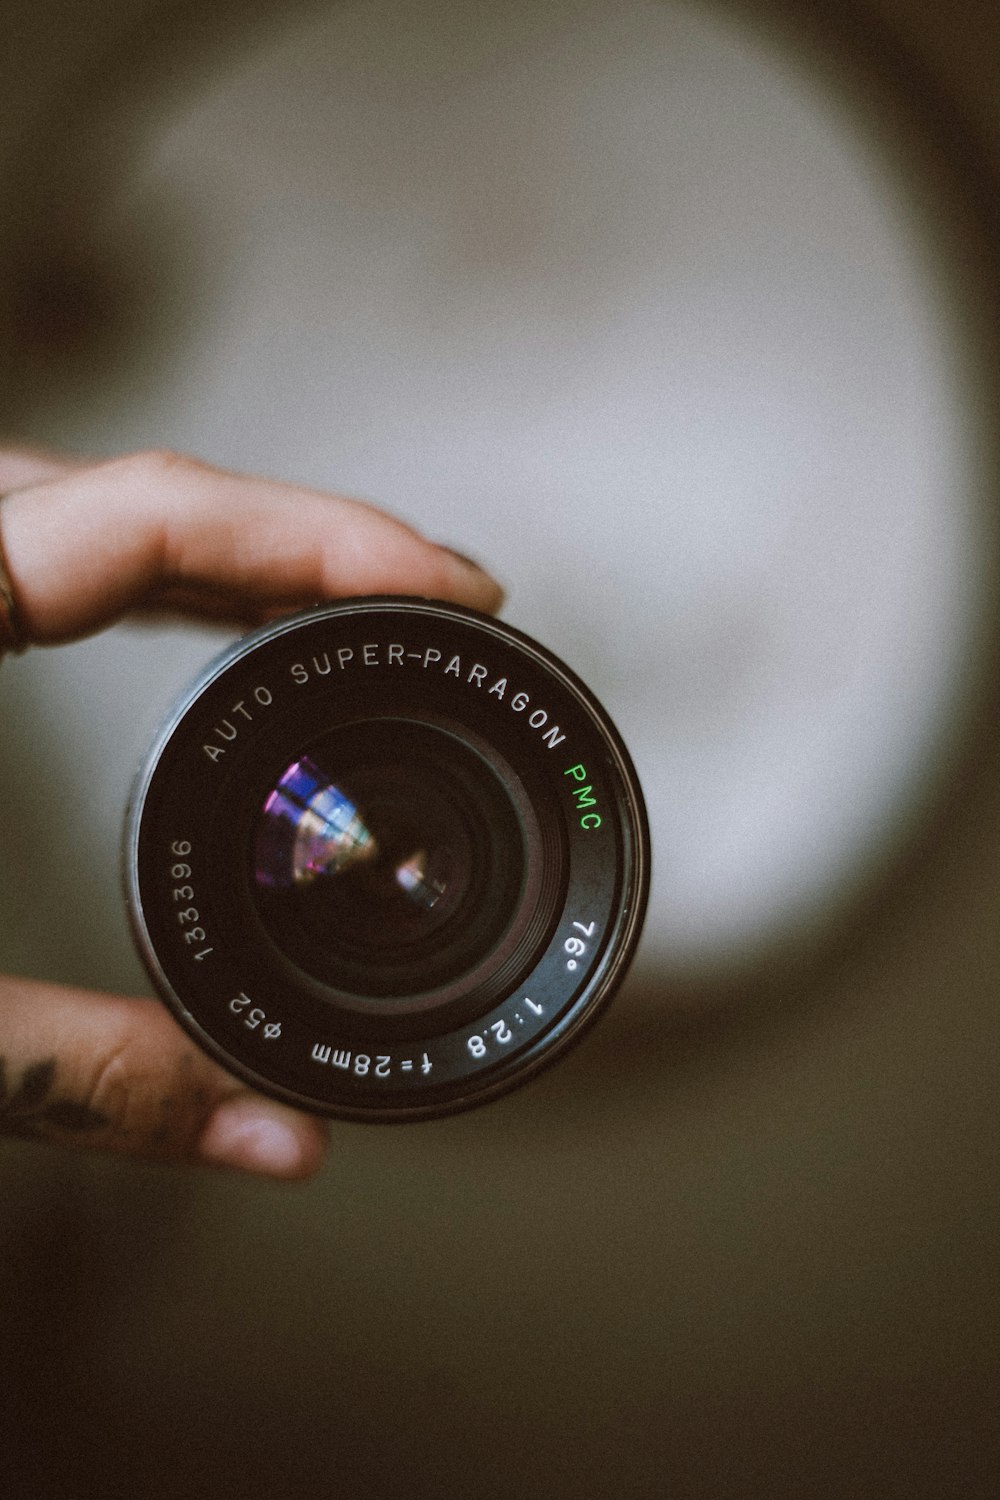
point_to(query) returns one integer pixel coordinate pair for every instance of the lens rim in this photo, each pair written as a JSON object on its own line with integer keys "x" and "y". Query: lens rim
{"x": 529, "y": 703}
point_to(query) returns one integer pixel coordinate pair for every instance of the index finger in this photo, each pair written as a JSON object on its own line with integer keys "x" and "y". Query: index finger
{"x": 158, "y": 529}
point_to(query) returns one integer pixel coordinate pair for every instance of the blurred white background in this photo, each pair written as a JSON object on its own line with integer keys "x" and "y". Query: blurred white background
{"x": 626, "y": 301}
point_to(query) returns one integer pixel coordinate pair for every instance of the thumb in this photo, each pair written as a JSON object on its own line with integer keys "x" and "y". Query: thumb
{"x": 118, "y": 1074}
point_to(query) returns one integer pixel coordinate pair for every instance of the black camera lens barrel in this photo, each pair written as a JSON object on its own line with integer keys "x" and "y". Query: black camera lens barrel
{"x": 386, "y": 858}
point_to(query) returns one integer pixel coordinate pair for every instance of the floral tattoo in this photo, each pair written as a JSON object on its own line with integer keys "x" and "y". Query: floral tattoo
{"x": 31, "y": 1110}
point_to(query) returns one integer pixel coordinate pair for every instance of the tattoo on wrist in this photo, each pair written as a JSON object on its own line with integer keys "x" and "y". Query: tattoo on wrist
{"x": 31, "y": 1109}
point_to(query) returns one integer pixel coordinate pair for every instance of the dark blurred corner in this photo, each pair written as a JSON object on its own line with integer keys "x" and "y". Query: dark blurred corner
{"x": 747, "y": 1248}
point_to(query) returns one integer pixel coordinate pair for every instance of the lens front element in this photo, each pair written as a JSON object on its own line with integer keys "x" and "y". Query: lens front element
{"x": 392, "y": 863}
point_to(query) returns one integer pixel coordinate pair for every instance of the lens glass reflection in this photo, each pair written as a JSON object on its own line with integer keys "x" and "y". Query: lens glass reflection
{"x": 310, "y": 828}
{"x": 388, "y": 859}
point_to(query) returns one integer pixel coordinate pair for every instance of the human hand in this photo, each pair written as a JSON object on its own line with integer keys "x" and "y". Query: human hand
{"x": 85, "y": 543}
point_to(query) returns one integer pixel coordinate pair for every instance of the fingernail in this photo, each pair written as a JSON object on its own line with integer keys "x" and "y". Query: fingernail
{"x": 490, "y": 592}
{"x": 245, "y": 1133}
{"x": 463, "y": 557}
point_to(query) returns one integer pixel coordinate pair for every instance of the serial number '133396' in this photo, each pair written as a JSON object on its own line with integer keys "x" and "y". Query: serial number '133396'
{"x": 188, "y": 917}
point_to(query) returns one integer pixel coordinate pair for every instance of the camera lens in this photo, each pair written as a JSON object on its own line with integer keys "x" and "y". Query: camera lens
{"x": 399, "y": 865}
{"x": 386, "y": 858}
